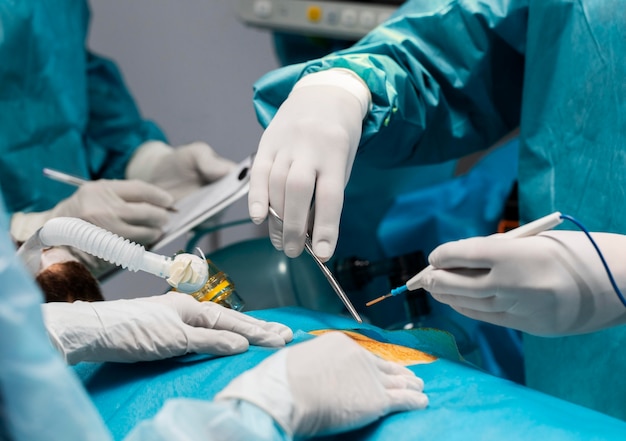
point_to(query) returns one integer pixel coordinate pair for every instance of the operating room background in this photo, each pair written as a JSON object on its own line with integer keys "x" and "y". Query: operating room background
{"x": 190, "y": 67}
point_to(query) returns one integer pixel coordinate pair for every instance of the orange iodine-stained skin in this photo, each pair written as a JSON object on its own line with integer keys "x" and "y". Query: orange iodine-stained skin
{"x": 388, "y": 351}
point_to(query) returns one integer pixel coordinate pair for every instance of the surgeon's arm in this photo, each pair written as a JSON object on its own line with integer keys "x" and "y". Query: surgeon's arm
{"x": 197, "y": 420}
{"x": 115, "y": 128}
{"x": 444, "y": 79}
{"x": 41, "y": 399}
{"x": 114, "y": 131}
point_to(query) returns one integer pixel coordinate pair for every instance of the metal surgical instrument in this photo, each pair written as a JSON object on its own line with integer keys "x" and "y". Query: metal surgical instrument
{"x": 329, "y": 276}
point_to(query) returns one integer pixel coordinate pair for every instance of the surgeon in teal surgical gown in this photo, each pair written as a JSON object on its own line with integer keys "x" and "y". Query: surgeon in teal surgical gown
{"x": 441, "y": 79}
{"x": 66, "y": 108}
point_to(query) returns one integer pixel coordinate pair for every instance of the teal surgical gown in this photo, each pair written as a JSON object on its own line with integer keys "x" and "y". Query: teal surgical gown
{"x": 61, "y": 106}
{"x": 451, "y": 77}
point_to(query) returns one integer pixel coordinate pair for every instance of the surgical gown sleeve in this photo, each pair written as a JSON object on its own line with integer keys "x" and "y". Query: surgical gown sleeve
{"x": 40, "y": 398}
{"x": 115, "y": 127}
{"x": 445, "y": 77}
{"x": 196, "y": 420}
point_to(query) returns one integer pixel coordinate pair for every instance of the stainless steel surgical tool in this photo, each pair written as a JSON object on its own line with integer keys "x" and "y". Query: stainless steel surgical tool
{"x": 329, "y": 276}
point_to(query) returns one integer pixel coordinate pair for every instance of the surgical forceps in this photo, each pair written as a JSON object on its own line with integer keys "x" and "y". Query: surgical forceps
{"x": 329, "y": 276}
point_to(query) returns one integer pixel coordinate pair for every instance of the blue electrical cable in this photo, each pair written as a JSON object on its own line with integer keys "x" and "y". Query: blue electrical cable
{"x": 593, "y": 242}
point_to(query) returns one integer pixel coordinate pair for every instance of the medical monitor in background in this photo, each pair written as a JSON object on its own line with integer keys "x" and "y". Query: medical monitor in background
{"x": 347, "y": 19}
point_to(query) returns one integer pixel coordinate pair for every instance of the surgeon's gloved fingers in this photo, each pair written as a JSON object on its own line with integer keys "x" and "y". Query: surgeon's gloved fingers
{"x": 350, "y": 390}
{"x": 215, "y": 342}
{"x": 325, "y": 385}
{"x": 495, "y": 318}
{"x": 395, "y": 375}
{"x": 329, "y": 197}
{"x": 490, "y": 304}
{"x": 401, "y": 400}
{"x": 404, "y": 389}
{"x": 126, "y": 208}
{"x": 461, "y": 282}
{"x": 139, "y": 191}
{"x": 132, "y": 230}
{"x": 391, "y": 368}
{"x": 213, "y": 316}
{"x": 277, "y": 180}
{"x": 211, "y": 165}
{"x": 286, "y": 234}
{"x": 402, "y": 382}
{"x": 142, "y": 213}
{"x": 132, "y": 227}
{"x": 254, "y": 333}
{"x": 252, "y": 329}
{"x": 258, "y": 196}
{"x": 298, "y": 197}
{"x": 278, "y": 328}
{"x": 476, "y": 252}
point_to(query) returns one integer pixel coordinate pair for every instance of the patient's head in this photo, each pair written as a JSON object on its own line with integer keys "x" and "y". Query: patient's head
{"x": 63, "y": 278}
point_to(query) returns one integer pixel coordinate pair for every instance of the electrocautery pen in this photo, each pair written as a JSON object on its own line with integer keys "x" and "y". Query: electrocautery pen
{"x": 530, "y": 229}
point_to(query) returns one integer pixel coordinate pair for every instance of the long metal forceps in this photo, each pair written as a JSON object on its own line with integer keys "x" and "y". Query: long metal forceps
{"x": 329, "y": 276}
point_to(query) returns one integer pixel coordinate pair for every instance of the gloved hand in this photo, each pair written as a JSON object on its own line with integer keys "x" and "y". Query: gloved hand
{"x": 134, "y": 210}
{"x": 154, "y": 328}
{"x": 548, "y": 285}
{"x": 327, "y": 385}
{"x": 307, "y": 151}
{"x": 179, "y": 170}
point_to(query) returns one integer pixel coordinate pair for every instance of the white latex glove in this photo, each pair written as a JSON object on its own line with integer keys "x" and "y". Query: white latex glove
{"x": 132, "y": 209}
{"x": 154, "y": 328}
{"x": 327, "y": 385}
{"x": 307, "y": 152}
{"x": 179, "y": 170}
{"x": 549, "y": 285}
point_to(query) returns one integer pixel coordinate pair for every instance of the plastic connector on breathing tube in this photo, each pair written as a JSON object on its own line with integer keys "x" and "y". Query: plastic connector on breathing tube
{"x": 186, "y": 272}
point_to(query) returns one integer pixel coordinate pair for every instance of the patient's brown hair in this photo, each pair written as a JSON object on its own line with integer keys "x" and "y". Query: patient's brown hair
{"x": 68, "y": 282}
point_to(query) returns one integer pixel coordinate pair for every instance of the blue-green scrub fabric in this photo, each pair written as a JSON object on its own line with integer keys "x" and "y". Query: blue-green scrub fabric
{"x": 451, "y": 77}
{"x": 61, "y": 106}
{"x": 464, "y": 402}
{"x": 41, "y": 398}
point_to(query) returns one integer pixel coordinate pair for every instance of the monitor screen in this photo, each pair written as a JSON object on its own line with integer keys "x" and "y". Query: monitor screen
{"x": 374, "y": 2}
{"x": 344, "y": 19}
